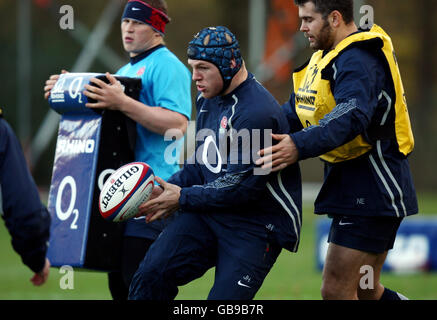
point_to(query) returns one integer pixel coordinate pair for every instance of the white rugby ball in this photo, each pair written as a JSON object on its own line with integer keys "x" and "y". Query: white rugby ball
{"x": 125, "y": 190}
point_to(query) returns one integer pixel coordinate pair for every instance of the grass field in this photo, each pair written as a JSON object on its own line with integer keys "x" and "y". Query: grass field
{"x": 294, "y": 276}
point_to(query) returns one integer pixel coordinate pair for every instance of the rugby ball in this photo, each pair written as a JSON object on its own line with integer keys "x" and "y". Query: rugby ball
{"x": 125, "y": 190}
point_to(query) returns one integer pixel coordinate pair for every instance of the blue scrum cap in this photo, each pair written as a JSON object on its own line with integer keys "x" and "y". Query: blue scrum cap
{"x": 217, "y": 45}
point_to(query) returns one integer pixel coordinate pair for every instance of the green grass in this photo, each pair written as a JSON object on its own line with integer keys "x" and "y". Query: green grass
{"x": 294, "y": 276}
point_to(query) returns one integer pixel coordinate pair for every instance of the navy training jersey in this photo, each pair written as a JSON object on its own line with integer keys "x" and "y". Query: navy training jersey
{"x": 221, "y": 181}
{"x": 378, "y": 183}
{"x": 26, "y": 218}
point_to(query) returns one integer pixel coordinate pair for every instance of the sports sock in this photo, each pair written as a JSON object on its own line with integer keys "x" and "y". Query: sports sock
{"x": 392, "y": 295}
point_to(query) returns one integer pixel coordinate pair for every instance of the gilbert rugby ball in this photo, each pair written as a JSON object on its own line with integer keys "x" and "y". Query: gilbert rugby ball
{"x": 125, "y": 190}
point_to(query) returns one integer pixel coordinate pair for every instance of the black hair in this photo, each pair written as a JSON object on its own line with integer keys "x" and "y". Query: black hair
{"x": 325, "y": 7}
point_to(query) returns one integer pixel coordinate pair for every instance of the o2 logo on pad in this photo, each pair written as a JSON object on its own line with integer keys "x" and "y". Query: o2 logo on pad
{"x": 67, "y": 188}
{"x": 70, "y": 86}
{"x": 75, "y": 89}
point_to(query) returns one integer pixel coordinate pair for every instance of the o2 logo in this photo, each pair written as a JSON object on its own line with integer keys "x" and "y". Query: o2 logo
{"x": 67, "y": 183}
{"x": 75, "y": 89}
{"x": 67, "y": 191}
{"x": 74, "y": 85}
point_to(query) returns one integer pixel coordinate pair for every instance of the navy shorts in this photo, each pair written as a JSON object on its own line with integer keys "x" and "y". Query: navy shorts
{"x": 368, "y": 234}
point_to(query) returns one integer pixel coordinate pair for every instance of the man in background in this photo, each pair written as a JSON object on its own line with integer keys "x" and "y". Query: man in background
{"x": 164, "y": 104}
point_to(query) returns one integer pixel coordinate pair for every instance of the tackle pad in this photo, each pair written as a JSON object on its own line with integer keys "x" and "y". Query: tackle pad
{"x": 91, "y": 145}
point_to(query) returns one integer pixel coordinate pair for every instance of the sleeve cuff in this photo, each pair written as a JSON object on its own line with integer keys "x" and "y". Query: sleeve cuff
{"x": 295, "y": 138}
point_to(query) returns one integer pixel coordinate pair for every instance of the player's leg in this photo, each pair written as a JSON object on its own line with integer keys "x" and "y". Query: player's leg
{"x": 184, "y": 251}
{"x": 133, "y": 251}
{"x": 341, "y": 273}
{"x": 242, "y": 265}
{"x": 372, "y": 289}
{"x": 379, "y": 292}
{"x": 390, "y": 227}
{"x": 375, "y": 290}
{"x": 116, "y": 285}
{"x": 357, "y": 244}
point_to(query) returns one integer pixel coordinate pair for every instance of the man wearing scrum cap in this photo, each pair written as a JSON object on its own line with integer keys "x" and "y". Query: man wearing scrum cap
{"x": 165, "y": 103}
{"x": 231, "y": 216}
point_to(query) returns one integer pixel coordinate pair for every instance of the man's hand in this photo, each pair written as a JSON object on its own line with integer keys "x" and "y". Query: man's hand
{"x": 156, "y": 192}
{"x": 50, "y": 83}
{"x": 109, "y": 96}
{"x": 41, "y": 277}
{"x": 280, "y": 155}
{"x": 164, "y": 205}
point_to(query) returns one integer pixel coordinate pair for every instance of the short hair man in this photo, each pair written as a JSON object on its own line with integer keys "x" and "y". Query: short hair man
{"x": 350, "y": 103}
{"x": 27, "y": 219}
{"x": 165, "y": 103}
{"x": 229, "y": 216}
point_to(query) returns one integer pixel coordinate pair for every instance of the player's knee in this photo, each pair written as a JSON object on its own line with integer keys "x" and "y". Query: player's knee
{"x": 142, "y": 284}
{"x": 330, "y": 278}
{"x": 327, "y": 292}
{"x": 151, "y": 284}
{"x": 336, "y": 292}
{"x": 335, "y": 287}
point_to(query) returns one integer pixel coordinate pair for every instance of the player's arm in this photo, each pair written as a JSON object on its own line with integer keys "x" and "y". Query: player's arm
{"x": 155, "y": 118}
{"x": 166, "y": 201}
{"x": 190, "y": 174}
{"x": 243, "y": 182}
{"x": 239, "y": 186}
{"x": 164, "y": 205}
{"x": 357, "y": 86}
{"x": 27, "y": 220}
